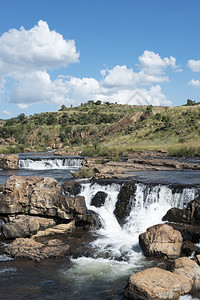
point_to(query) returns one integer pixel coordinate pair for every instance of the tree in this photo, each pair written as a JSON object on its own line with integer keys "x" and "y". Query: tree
{"x": 63, "y": 108}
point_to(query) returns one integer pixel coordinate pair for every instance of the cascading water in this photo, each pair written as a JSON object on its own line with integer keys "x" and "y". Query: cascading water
{"x": 50, "y": 163}
{"x": 117, "y": 253}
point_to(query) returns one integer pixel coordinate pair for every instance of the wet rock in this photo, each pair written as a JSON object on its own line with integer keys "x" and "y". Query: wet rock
{"x": 123, "y": 205}
{"x": 9, "y": 162}
{"x": 188, "y": 232}
{"x": 161, "y": 241}
{"x": 176, "y": 215}
{"x": 99, "y": 199}
{"x": 188, "y": 248}
{"x": 186, "y": 268}
{"x": 194, "y": 211}
{"x": 23, "y": 226}
{"x": 71, "y": 188}
{"x": 155, "y": 284}
{"x": 30, "y": 248}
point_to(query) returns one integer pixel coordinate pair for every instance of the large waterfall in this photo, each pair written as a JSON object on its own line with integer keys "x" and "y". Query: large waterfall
{"x": 117, "y": 253}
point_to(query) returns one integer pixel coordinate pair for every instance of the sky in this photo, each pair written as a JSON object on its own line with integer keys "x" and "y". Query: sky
{"x": 137, "y": 52}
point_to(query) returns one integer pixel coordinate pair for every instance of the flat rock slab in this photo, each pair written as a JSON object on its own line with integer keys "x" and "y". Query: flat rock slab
{"x": 157, "y": 284}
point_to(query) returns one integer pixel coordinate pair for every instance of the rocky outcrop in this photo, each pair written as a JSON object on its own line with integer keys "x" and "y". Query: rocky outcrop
{"x": 99, "y": 199}
{"x": 161, "y": 241}
{"x": 44, "y": 244}
{"x": 30, "y": 248}
{"x": 187, "y": 268}
{"x": 155, "y": 284}
{"x": 9, "y": 162}
{"x": 176, "y": 215}
{"x": 24, "y": 226}
{"x": 40, "y": 196}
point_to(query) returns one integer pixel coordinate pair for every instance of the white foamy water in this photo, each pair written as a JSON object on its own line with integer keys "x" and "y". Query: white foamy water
{"x": 117, "y": 253}
{"x": 44, "y": 164}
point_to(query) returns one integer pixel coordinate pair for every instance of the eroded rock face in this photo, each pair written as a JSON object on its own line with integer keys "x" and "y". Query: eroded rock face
{"x": 71, "y": 188}
{"x": 155, "y": 284}
{"x": 161, "y": 241}
{"x": 23, "y": 226}
{"x": 9, "y": 162}
{"x": 35, "y": 195}
{"x": 40, "y": 196}
{"x": 186, "y": 268}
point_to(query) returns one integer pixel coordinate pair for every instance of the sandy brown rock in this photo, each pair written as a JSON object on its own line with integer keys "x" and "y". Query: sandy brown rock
{"x": 161, "y": 241}
{"x": 23, "y": 226}
{"x": 186, "y": 268}
{"x": 9, "y": 162}
{"x": 58, "y": 229}
{"x": 30, "y": 248}
{"x": 155, "y": 284}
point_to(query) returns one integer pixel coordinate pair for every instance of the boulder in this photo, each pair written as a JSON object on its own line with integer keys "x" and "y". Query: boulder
{"x": 155, "y": 284}
{"x": 60, "y": 229}
{"x": 9, "y": 162}
{"x": 71, "y": 188}
{"x": 187, "y": 268}
{"x": 188, "y": 232}
{"x": 34, "y": 195}
{"x": 30, "y": 248}
{"x": 99, "y": 199}
{"x": 161, "y": 241}
{"x": 176, "y": 215}
{"x": 194, "y": 211}
{"x": 123, "y": 207}
{"x": 23, "y": 226}
{"x": 188, "y": 248}
{"x": 72, "y": 208}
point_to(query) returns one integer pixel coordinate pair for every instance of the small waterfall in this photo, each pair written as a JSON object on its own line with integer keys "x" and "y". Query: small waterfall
{"x": 50, "y": 163}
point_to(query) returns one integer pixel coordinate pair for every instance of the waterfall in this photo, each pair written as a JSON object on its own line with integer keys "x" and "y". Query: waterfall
{"x": 50, "y": 163}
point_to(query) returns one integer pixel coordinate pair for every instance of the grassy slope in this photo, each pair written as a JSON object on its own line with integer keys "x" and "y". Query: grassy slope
{"x": 115, "y": 129}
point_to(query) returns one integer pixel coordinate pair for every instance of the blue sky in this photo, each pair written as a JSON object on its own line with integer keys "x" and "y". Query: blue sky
{"x": 69, "y": 52}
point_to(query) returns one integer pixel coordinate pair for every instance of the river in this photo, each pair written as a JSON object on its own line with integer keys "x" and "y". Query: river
{"x": 108, "y": 254}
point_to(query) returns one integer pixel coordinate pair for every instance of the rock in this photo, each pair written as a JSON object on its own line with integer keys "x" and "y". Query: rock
{"x": 198, "y": 259}
{"x": 1, "y": 187}
{"x": 23, "y": 226}
{"x": 71, "y": 188}
{"x": 9, "y": 162}
{"x": 83, "y": 173}
{"x": 187, "y": 268}
{"x": 176, "y": 215}
{"x": 30, "y": 248}
{"x": 155, "y": 284}
{"x": 161, "y": 241}
{"x": 188, "y": 232}
{"x": 194, "y": 211}
{"x": 58, "y": 229}
{"x": 188, "y": 248}
{"x": 123, "y": 207}
{"x": 99, "y": 199}
{"x": 72, "y": 207}
{"x": 34, "y": 195}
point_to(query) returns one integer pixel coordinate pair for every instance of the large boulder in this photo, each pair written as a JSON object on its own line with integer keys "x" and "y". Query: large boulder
{"x": 161, "y": 241}
{"x": 23, "y": 226}
{"x": 187, "y": 268}
{"x": 32, "y": 249}
{"x": 155, "y": 284}
{"x": 176, "y": 215}
{"x": 9, "y": 162}
{"x": 40, "y": 196}
{"x": 34, "y": 195}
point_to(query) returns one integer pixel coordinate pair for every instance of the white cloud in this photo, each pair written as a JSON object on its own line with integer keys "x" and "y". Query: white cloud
{"x": 35, "y": 49}
{"x": 194, "y": 65}
{"x": 7, "y": 113}
{"x": 152, "y": 63}
{"x": 194, "y": 82}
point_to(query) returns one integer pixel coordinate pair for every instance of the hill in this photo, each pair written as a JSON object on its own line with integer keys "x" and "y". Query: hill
{"x": 105, "y": 129}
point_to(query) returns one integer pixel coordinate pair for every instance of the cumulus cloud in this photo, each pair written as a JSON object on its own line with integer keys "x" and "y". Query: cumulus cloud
{"x": 194, "y": 82}
{"x": 26, "y": 56}
{"x": 152, "y": 63}
{"x": 194, "y": 65}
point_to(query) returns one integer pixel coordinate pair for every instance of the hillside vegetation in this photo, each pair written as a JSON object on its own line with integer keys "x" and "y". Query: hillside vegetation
{"x": 106, "y": 129}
